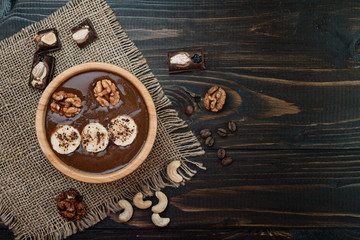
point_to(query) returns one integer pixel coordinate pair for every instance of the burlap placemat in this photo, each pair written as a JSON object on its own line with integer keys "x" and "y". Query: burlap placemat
{"x": 29, "y": 183}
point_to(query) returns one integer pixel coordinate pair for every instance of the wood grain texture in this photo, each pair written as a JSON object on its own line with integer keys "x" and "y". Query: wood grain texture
{"x": 294, "y": 64}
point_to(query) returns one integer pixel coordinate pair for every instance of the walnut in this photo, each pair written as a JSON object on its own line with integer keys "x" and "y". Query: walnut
{"x": 103, "y": 102}
{"x": 105, "y": 91}
{"x": 214, "y": 99}
{"x": 67, "y": 104}
{"x": 71, "y": 205}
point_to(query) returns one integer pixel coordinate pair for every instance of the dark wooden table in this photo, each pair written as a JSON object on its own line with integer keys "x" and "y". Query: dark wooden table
{"x": 294, "y": 64}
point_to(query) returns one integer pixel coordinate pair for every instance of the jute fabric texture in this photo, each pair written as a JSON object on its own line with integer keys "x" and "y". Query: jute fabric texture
{"x": 29, "y": 183}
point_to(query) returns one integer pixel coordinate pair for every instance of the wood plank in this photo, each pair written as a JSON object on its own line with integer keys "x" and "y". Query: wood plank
{"x": 293, "y": 189}
{"x": 266, "y": 188}
{"x": 294, "y": 92}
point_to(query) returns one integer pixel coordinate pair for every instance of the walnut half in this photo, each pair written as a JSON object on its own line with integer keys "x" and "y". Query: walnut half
{"x": 106, "y": 92}
{"x": 67, "y": 104}
{"x": 214, "y": 99}
{"x": 71, "y": 205}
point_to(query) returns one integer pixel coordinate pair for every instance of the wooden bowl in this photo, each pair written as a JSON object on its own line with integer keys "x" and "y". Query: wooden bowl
{"x": 96, "y": 177}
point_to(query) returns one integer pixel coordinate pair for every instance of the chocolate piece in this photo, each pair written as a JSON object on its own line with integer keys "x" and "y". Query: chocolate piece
{"x": 84, "y": 33}
{"x": 186, "y": 60}
{"x": 41, "y": 71}
{"x": 47, "y": 41}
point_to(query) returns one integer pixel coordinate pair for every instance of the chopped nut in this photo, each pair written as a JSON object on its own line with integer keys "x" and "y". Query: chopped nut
{"x": 214, "y": 99}
{"x": 114, "y": 98}
{"x": 71, "y": 205}
{"x": 103, "y": 102}
{"x": 58, "y": 96}
{"x": 40, "y": 71}
{"x": 105, "y": 91}
{"x": 67, "y": 104}
{"x": 49, "y": 38}
{"x": 181, "y": 60}
{"x": 98, "y": 88}
{"x": 81, "y": 35}
{"x": 55, "y": 107}
{"x": 74, "y": 101}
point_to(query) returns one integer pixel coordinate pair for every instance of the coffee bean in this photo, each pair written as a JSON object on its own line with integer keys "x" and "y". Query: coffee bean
{"x": 232, "y": 126}
{"x": 221, "y": 153}
{"x": 205, "y": 133}
{"x": 226, "y": 161}
{"x": 209, "y": 142}
{"x": 221, "y": 132}
{"x": 189, "y": 110}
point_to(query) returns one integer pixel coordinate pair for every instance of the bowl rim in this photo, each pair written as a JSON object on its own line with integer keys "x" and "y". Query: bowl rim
{"x": 70, "y": 171}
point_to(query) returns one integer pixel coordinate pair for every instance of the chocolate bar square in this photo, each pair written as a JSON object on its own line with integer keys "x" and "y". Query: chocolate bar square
{"x": 186, "y": 60}
{"x": 47, "y": 41}
{"x": 41, "y": 71}
{"x": 84, "y": 33}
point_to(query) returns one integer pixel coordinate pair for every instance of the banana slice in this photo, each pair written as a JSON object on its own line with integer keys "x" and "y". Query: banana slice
{"x": 95, "y": 137}
{"x": 65, "y": 139}
{"x": 122, "y": 130}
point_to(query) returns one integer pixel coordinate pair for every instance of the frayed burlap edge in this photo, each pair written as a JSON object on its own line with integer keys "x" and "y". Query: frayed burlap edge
{"x": 185, "y": 142}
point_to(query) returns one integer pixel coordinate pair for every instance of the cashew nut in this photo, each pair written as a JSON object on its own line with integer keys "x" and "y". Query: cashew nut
{"x": 128, "y": 210}
{"x": 163, "y": 202}
{"x": 159, "y": 221}
{"x": 139, "y": 201}
{"x": 172, "y": 171}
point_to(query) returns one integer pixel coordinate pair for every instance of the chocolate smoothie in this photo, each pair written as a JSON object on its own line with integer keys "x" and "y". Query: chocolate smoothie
{"x": 131, "y": 103}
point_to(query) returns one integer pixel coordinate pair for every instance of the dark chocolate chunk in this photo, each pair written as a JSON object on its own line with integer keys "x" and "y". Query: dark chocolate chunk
{"x": 41, "y": 71}
{"x": 47, "y": 41}
{"x": 186, "y": 60}
{"x": 84, "y": 33}
{"x": 196, "y": 58}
